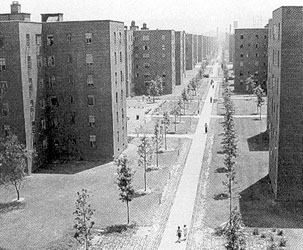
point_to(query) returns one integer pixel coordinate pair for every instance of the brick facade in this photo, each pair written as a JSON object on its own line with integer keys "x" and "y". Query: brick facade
{"x": 190, "y": 64}
{"x": 250, "y": 57}
{"x": 285, "y": 122}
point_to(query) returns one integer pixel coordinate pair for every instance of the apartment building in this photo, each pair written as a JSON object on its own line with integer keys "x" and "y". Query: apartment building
{"x": 62, "y": 87}
{"x": 154, "y": 55}
{"x": 195, "y": 49}
{"x": 129, "y": 49}
{"x": 231, "y": 47}
{"x": 190, "y": 63}
{"x": 200, "y": 48}
{"x": 285, "y": 95}
{"x": 180, "y": 56}
{"x": 250, "y": 57}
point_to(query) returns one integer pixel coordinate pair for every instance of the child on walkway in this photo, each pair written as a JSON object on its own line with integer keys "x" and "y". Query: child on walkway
{"x": 179, "y": 234}
{"x": 184, "y": 232}
{"x": 205, "y": 127}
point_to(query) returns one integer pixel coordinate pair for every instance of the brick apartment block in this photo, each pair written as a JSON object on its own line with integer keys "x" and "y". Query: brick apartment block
{"x": 250, "y": 57}
{"x": 285, "y": 95}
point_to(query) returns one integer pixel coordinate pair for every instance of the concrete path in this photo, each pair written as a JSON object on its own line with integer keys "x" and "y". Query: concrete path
{"x": 183, "y": 206}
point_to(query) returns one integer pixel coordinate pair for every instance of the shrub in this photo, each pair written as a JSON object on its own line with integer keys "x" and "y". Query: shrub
{"x": 282, "y": 242}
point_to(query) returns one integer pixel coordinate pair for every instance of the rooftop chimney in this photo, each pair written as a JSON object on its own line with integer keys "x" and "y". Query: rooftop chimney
{"x": 144, "y": 27}
{"x": 133, "y": 26}
{"x": 15, "y": 7}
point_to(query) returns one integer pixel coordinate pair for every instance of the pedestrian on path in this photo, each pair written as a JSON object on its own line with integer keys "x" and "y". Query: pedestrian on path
{"x": 185, "y": 232}
{"x": 179, "y": 234}
{"x": 211, "y": 99}
{"x": 205, "y": 127}
{"x": 213, "y": 86}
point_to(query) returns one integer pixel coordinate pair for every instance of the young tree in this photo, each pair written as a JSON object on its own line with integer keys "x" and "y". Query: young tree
{"x": 83, "y": 216}
{"x": 250, "y": 84}
{"x": 184, "y": 97}
{"x": 12, "y": 162}
{"x": 179, "y": 104}
{"x": 175, "y": 112}
{"x": 193, "y": 85}
{"x": 157, "y": 140}
{"x": 145, "y": 152}
{"x": 155, "y": 87}
{"x": 166, "y": 123}
{"x": 124, "y": 181}
{"x": 234, "y": 232}
{"x": 259, "y": 92}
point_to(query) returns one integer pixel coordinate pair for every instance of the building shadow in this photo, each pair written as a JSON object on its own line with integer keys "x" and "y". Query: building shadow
{"x": 71, "y": 167}
{"x": 259, "y": 208}
{"x": 259, "y": 142}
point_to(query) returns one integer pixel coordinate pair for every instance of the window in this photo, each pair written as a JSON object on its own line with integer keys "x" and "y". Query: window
{"x": 278, "y": 57}
{"x": 41, "y": 84}
{"x": 1, "y": 42}
{"x": 257, "y": 46}
{"x": 118, "y": 136}
{"x": 91, "y": 121}
{"x": 120, "y": 37}
{"x": 120, "y": 57}
{"x": 257, "y": 36}
{"x": 49, "y": 40}
{"x": 29, "y": 62}
{"x": 117, "y": 116}
{"x": 70, "y": 79}
{"x": 38, "y": 39}
{"x": 115, "y": 55}
{"x": 69, "y": 58}
{"x": 89, "y": 61}
{"x": 241, "y": 73}
{"x": 69, "y": 38}
{"x": 39, "y": 61}
{"x": 3, "y": 87}
{"x": 71, "y": 99}
{"x": 241, "y": 36}
{"x": 145, "y": 38}
{"x": 92, "y": 139}
{"x": 88, "y": 38}
{"x": 90, "y": 100}
{"x": 5, "y": 109}
{"x": 145, "y": 55}
{"x": 42, "y": 103}
{"x": 121, "y": 94}
{"x": 163, "y": 37}
{"x": 257, "y": 54}
{"x": 90, "y": 80}
{"x": 241, "y": 81}
{"x": 2, "y": 64}
{"x": 122, "y": 112}
{"x": 121, "y": 76}
{"x": 145, "y": 47}
{"x": 265, "y": 36}
{"x": 137, "y": 75}
{"x": 51, "y": 61}
{"x": 52, "y": 81}
{"x": 73, "y": 117}
{"x": 28, "y": 40}
{"x": 241, "y": 64}
{"x": 54, "y": 101}
{"x": 43, "y": 123}
{"x": 30, "y": 87}
{"x": 241, "y": 46}
{"x": 137, "y": 117}
{"x": 146, "y": 65}
{"x": 241, "y": 55}
{"x": 116, "y": 97}
{"x": 44, "y": 143}
{"x": 115, "y": 38}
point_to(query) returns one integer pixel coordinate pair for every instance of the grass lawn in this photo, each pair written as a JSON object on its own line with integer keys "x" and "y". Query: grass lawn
{"x": 47, "y": 215}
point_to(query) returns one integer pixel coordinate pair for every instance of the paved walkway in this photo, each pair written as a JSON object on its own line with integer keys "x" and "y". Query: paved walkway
{"x": 183, "y": 206}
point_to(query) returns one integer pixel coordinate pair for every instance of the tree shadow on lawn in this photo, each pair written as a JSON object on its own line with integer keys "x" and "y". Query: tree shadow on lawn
{"x": 71, "y": 167}
{"x": 259, "y": 142}
{"x": 120, "y": 228}
{"x": 10, "y": 206}
{"x": 259, "y": 209}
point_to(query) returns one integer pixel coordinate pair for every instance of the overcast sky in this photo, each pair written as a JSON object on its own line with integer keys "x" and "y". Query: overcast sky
{"x": 193, "y": 16}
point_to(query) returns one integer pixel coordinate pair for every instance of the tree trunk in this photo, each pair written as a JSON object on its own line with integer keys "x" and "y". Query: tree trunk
{"x": 165, "y": 137}
{"x": 260, "y": 112}
{"x": 127, "y": 212}
{"x": 17, "y": 190}
{"x": 175, "y": 123}
{"x": 230, "y": 197}
{"x": 157, "y": 150}
{"x": 145, "y": 176}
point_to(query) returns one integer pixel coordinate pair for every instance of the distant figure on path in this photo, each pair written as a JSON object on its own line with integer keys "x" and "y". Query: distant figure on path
{"x": 213, "y": 86}
{"x": 211, "y": 99}
{"x": 179, "y": 234}
{"x": 205, "y": 127}
{"x": 184, "y": 232}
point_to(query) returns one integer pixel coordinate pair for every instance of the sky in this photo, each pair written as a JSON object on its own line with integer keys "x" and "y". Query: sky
{"x": 193, "y": 16}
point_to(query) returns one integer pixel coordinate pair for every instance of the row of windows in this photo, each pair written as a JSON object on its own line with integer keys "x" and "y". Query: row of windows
{"x": 256, "y": 55}
{"x": 256, "y": 74}
{"x": 257, "y": 46}
{"x": 257, "y": 36}
{"x": 147, "y": 55}
{"x": 256, "y": 64}
{"x": 51, "y": 41}
{"x": 145, "y": 47}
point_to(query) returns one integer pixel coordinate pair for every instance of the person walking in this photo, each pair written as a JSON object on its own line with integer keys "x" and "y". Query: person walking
{"x": 179, "y": 234}
{"x": 185, "y": 232}
{"x": 211, "y": 99}
{"x": 205, "y": 128}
